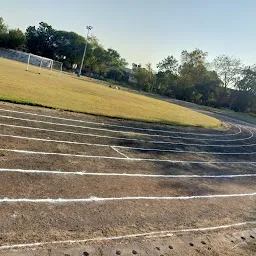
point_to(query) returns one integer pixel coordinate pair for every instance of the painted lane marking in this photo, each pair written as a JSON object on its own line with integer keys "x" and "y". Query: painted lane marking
{"x": 93, "y": 199}
{"x": 123, "y": 158}
{"x": 186, "y": 151}
{"x": 139, "y": 175}
{"x": 119, "y": 152}
{"x": 123, "y": 138}
{"x": 112, "y": 238}
{"x": 100, "y": 129}
{"x": 115, "y": 147}
{"x": 114, "y": 125}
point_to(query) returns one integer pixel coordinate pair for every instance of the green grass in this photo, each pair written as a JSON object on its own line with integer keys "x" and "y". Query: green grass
{"x": 69, "y": 93}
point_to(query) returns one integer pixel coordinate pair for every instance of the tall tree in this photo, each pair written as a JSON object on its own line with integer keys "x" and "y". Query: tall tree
{"x": 4, "y": 40}
{"x": 247, "y": 88}
{"x": 194, "y": 58}
{"x": 195, "y": 81}
{"x": 165, "y": 82}
{"x": 193, "y": 67}
{"x": 3, "y": 26}
{"x": 144, "y": 77}
{"x": 4, "y": 37}
{"x": 16, "y": 39}
{"x": 70, "y": 45}
{"x": 41, "y": 40}
{"x": 114, "y": 60}
{"x": 228, "y": 68}
{"x": 248, "y": 81}
{"x": 168, "y": 64}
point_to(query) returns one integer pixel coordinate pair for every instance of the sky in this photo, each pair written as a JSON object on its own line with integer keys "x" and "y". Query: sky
{"x": 145, "y": 31}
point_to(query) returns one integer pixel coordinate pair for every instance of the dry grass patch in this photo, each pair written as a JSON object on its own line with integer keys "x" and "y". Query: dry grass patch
{"x": 69, "y": 93}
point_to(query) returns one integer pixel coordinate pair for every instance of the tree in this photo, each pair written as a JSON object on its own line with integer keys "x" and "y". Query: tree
{"x": 228, "y": 68}
{"x": 54, "y": 44}
{"x": 207, "y": 87}
{"x": 165, "y": 82}
{"x": 3, "y": 26}
{"x": 32, "y": 39}
{"x": 4, "y": 37}
{"x": 195, "y": 81}
{"x": 144, "y": 77}
{"x": 167, "y": 75}
{"x": 247, "y": 88}
{"x": 16, "y": 39}
{"x": 41, "y": 40}
{"x": 70, "y": 45}
{"x": 114, "y": 60}
{"x": 194, "y": 58}
{"x": 248, "y": 82}
{"x": 4, "y": 40}
{"x": 193, "y": 66}
{"x": 168, "y": 64}
{"x": 99, "y": 58}
{"x": 115, "y": 74}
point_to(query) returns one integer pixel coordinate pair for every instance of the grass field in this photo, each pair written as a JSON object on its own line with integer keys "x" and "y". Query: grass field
{"x": 69, "y": 93}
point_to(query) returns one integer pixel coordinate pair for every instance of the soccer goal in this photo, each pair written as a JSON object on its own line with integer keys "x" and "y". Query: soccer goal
{"x": 40, "y": 64}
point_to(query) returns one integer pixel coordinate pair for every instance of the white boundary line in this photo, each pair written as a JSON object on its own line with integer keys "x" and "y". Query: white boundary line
{"x": 115, "y": 147}
{"x": 186, "y": 151}
{"x": 119, "y": 152}
{"x": 108, "y": 199}
{"x": 165, "y": 233}
{"x": 104, "y": 129}
{"x": 139, "y": 175}
{"x": 124, "y": 158}
{"x": 114, "y": 125}
{"x": 123, "y": 138}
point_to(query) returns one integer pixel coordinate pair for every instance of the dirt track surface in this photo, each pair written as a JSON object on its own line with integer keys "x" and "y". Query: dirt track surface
{"x": 137, "y": 178}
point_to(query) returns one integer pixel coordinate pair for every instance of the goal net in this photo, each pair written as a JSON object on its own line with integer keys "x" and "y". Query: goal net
{"x": 40, "y": 65}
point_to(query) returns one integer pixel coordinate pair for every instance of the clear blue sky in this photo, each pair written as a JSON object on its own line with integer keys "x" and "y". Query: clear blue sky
{"x": 148, "y": 30}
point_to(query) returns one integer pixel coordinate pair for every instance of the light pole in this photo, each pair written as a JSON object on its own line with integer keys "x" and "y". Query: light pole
{"x": 82, "y": 63}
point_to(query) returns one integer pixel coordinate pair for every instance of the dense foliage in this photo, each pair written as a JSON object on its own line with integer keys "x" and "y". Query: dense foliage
{"x": 225, "y": 82}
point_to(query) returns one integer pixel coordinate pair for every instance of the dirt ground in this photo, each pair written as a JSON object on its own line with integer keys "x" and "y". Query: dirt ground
{"x": 154, "y": 177}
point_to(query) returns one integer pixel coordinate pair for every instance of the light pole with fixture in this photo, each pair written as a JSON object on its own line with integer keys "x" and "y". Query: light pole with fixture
{"x": 82, "y": 62}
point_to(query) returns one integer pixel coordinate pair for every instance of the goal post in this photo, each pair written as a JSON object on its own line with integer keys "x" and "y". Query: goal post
{"x": 56, "y": 66}
{"x": 28, "y": 61}
{"x": 40, "y": 64}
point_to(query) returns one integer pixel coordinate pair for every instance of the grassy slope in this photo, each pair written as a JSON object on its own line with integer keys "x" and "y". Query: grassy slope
{"x": 70, "y": 93}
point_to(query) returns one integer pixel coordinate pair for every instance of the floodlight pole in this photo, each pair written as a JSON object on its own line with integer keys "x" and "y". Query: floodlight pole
{"x": 85, "y": 48}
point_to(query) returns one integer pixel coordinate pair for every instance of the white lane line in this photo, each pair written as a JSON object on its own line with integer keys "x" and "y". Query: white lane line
{"x": 124, "y": 158}
{"x": 99, "y": 129}
{"x": 115, "y": 147}
{"x": 203, "y": 229}
{"x": 186, "y": 151}
{"x": 108, "y": 199}
{"x": 113, "y": 238}
{"x": 124, "y": 138}
{"x": 114, "y": 125}
{"x": 56, "y": 141}
{"x": 119, "y": 152}
{"x": 137, "y": 175}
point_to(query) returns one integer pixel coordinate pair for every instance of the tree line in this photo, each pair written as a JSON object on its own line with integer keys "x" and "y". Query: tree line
{"x": 66, "y": 47}
{"x": 225, "y": 82}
